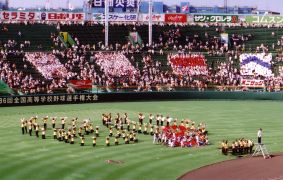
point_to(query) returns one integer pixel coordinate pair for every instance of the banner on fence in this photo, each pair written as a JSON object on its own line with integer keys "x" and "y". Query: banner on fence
{"x": 216, "y": 18}
{"x": 115, "y": 3}
{"x": 116, "y": 17}
{"x": 264, "y": 19}
{"x": 35, "y": 16}
{"x": 62, "y": 16}
{"x": 252, "y": 83}
{"x": 175, "y": 18}
{"x": 48, "y": 99}
{"x": 155, "y": 17}
{"x": 81, "y": 84}
{"x": 19, "y": 16}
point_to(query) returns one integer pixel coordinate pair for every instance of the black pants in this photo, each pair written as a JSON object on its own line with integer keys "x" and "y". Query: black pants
{"x": 30, "y": 132}
{"x": 259, "y": 140}
{"x": 36, "y": 133}
{"x": 45, "y": 126}
{"x": 23, "y": 130}
{"x": 53, "y": 125}
{"x": 63, "y": 125}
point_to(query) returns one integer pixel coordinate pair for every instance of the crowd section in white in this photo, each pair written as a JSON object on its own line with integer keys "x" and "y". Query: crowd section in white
{"x": 115, "y": 64}
{"x": 255, "y": 66}
{"x": 47, "y": 64}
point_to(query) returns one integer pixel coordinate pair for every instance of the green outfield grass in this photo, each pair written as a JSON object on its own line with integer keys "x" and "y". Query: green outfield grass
{"x": 25, "y": 157}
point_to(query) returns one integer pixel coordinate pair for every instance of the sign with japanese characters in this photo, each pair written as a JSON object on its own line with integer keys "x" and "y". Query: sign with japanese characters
{"x": 216, "y": 18}
{"x": 175, "y": 18}
{"x": 18, "y": 16}
{"x": 36, "y": 16}
{"x": 264, "y": 19}
{"x": 116, "y": 17}
{"x": 62, "y": 16}
{"x": 252, "y": 83}
{"x": 115, "y": 3}
{"x": 48, "y": 99}
{"x": 155, "y": 18}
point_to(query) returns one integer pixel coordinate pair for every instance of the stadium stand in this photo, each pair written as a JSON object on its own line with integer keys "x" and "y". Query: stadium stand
{"x": 220, "y": 64}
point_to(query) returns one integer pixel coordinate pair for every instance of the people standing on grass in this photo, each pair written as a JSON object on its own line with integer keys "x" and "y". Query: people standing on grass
{"x": 43, "y": 133}
{"x": 259, "y": 136}
{"x": 23, "y": 125}
{"x": 63, "y": 121}
{"x": 53, "y": 121}
{"x": 185, "y": 134}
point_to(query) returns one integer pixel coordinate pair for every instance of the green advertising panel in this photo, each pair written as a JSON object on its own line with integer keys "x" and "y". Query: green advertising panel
{"x": 216, "y": 18}
{"x": 264, "y": 19}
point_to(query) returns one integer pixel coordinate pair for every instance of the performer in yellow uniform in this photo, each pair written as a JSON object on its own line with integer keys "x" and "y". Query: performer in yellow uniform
{"x": 72, "y": 139}
{"x": 107, "y": 142}
{"x": 36, "y": 130}
{"x": 43, "y": 133}
{"x": 82, "y": 140}
{"x": 97, "y": 131}
{"x": 53, "y": 121}
{"x": 116, "y": 141}
{"x": 110, "y": 132}
{"x": 54, "y": 134}
{"x": 93, "y": 141}
{"x": 23, "y": 125}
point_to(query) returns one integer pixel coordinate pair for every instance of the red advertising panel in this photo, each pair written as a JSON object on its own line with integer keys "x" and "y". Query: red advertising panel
{"x": 81, "y": 84}
{"x": 176, "y": 18}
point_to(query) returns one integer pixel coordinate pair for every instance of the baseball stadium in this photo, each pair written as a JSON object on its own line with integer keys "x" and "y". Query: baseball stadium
{"x": 141, "y": 89}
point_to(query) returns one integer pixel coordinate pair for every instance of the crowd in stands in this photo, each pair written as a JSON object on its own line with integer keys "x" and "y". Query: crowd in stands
{"x": 48, "y": 65}
{"x": 115, "y": 64}
{"x": 188, "y": 64}
{"x": 256, "y": 64}
{"x": 13, "y": 78}
{"x": 117, "y": 69}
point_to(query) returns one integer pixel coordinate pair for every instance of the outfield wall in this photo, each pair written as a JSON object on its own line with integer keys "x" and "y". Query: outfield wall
{"x": 134, "y": 96}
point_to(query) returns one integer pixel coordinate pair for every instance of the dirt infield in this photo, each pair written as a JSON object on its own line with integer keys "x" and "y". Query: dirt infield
{"x": 250, "y": 168}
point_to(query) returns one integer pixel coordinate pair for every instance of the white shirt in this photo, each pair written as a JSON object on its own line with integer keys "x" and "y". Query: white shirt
{"x": 259, "y": 133}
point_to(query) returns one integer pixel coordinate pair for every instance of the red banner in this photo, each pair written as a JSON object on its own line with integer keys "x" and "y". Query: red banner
{"x": 81, "y": 84}
{"x": 175, "y": 18}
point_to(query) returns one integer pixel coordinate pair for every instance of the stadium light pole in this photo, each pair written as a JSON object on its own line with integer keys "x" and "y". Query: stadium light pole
{"x": 106, "y": 23}
{"x": 150, "y": 7}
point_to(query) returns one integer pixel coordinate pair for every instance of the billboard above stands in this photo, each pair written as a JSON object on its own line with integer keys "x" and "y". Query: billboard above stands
{"x": 19, "y": 16}
{"x": 115, "y": 3}
{"x": 63, "y": 16}
{"x": 155, "y": 18}
{"x": 38, "y": 16}
{"x": 116, "y": 17}
{"x": 201, "y": 18}
{"x": 175, "y": 18}
{"x": 264, "y": 19}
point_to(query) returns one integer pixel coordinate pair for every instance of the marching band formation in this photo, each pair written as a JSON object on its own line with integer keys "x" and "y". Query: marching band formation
{"x": 163, "y": 129}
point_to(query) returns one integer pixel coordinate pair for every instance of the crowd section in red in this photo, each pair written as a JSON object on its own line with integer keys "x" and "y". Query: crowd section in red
{"x": 188, "y": 64}
{"x": 188, "y": 60}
